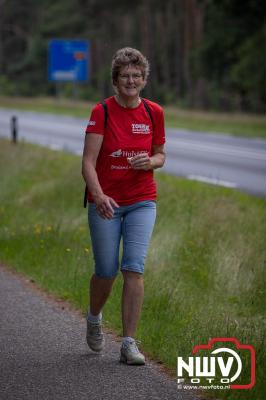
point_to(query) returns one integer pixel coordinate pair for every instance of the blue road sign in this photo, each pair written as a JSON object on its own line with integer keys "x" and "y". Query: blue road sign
{"x": 68, "y": 60}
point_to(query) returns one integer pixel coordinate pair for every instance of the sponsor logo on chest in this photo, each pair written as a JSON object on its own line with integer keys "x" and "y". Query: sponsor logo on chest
{"x": 140, "y": 129}
{"x": 127, "y": 153}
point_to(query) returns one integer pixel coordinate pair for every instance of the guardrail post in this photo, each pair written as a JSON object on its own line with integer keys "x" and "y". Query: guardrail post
{"x": 14, "y": 129}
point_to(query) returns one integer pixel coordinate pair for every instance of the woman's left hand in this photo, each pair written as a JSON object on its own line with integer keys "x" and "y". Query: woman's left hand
{"x": 141, "y": 161}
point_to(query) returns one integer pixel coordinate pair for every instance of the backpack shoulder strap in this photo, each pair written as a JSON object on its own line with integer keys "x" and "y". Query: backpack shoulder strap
{"x": 105, "y": 113}
{"x": 148, "y": 111}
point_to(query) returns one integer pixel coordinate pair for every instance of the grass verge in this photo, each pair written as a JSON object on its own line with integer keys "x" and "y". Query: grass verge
{"x": 238, "y": 124}
{"x": 205, "y": 273}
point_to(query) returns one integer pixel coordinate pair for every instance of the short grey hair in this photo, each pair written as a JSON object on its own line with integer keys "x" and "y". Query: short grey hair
{"x": 129, "y": 56}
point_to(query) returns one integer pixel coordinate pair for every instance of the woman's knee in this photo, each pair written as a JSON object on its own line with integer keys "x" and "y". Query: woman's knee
{"x": 132, "y": 275}
{"x": 109, "y": 277}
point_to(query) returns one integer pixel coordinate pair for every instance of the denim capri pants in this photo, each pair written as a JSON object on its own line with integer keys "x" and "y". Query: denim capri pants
{"x": 133, "y": 224}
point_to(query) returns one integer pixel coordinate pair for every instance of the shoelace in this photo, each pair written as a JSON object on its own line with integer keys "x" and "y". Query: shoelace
{"x": 133, "y": 346}
{"x": 95, "y": 330}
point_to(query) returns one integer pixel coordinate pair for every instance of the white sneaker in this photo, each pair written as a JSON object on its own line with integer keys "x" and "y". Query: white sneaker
{"x": 130, "y": 354}
{"x": 94, "y": 336}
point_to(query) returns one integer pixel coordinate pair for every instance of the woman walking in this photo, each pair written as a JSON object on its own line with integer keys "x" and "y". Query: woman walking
{"x": 124, "y": 143}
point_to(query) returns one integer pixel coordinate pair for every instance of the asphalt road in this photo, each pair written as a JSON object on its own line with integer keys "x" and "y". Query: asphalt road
{"x": 217, "y": 159}
{"x": 44, "y": 355}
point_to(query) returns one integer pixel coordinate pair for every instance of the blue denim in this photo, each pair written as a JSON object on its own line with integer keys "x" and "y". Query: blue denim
{"x": 133, "y": 224}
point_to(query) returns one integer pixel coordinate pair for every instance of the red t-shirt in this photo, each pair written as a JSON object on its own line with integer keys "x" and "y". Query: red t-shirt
{"x": 129, "y": 131}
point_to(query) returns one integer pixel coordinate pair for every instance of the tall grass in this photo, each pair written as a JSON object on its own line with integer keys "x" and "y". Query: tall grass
{"x": 205, "y": 272}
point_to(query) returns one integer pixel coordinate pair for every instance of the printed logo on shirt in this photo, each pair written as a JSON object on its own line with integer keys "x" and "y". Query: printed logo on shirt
{"x": 121, "y": 156}
{"x": 125, "y": 153}
{"x": 117, "y": 153}
{"x": 140, "y": 129}
{"x": 92, "y": 123}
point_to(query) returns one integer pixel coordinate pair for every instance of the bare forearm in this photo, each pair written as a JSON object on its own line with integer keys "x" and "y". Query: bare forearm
{"x": 104, "y": 204}
{"x": 157, "y": 160}
{"x": 145, "y": 162}
{"x": 90, "y": 176}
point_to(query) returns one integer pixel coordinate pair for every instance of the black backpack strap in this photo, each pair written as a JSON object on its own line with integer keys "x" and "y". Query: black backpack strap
{"x": 148, "y": 111}
{"x": 85, "y": 200}
{"x": 105, "y": 113}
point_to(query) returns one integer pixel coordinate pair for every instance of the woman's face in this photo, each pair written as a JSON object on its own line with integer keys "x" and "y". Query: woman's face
{"x": 130, "y": 81}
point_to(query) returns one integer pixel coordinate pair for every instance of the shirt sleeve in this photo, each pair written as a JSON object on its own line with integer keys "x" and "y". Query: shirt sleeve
{"x": 96, "y": 121}
{"x": 159, "y": 128}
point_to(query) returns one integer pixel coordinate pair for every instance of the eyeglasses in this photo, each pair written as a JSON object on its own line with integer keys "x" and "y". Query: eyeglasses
{"x": 126, "y": 77}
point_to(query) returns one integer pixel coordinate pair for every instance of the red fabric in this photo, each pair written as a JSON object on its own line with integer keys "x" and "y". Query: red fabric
{"x": 128, "y": 132}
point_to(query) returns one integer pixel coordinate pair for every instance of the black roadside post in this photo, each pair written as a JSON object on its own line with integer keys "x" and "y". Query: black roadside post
{"x": 14, "y": 129}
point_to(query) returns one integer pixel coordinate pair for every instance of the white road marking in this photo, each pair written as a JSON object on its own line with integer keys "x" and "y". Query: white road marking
{"x": 78, "y": 152}
{"x": 56, "y": 147}
{"x": 228, "y": 150}
{"x": 213, "y": 181}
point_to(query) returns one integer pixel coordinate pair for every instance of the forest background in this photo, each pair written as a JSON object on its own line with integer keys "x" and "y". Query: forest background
{"x": 204, "y": 54}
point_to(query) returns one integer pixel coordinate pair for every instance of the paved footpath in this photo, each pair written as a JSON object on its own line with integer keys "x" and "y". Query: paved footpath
{"x": 44, "y": 355}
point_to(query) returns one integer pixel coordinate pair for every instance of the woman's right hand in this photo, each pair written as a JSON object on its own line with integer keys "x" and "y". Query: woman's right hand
{"x": 105, "y": 206}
